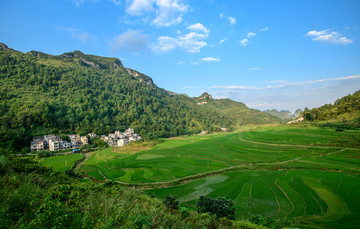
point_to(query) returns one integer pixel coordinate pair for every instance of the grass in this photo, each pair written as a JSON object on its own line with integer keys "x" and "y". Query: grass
{"x": 62, "y": 162}
{"x": 307, "y": 174}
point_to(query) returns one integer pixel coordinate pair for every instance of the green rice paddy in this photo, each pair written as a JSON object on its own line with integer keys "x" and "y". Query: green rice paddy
{"x": 310, "y": 175}
{"x": 62, "y": 162}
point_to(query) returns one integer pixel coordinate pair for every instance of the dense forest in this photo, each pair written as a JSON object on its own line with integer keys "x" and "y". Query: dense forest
{"x": 344, "y": 109}
{"x": 79, "y": 93}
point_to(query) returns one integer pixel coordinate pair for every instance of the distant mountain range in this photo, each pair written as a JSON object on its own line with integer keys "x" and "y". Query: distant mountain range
{"x": 79, "y": 93}
{"x": 284, "y": 114}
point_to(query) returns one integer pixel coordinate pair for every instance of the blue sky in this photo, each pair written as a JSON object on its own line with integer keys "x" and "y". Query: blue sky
{"x": 285, "y": 54}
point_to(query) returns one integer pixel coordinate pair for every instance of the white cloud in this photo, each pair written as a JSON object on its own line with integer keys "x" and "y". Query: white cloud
{"x": 192, "y": 42}
{"x": 130, "y": 41}
{"x": 222, "y": 41}
{"x": 264, "y": 29}
{"x": 284, "y": 84}
{"x": 210, "y": 59}
{"x": 329, "y": 36}
{"x": 254, "y": 69}
{"x": 221, "y": 15}
{"x": 165, "y": 44}
{"x": 138, "y": 7}
{"x": 306, "y": 94}
{"x": 198, "y": 27}
{"x": 244, "y": 41}
{"x": 232, "y": 20}
{"x": 167, "y": 12}
{"x": 180, "y": 62}
{"x": 251, "y": 35}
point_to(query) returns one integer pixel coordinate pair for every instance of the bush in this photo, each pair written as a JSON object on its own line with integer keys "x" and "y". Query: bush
{"x": 220, "y": 206}
{"x": 171, "y": 202}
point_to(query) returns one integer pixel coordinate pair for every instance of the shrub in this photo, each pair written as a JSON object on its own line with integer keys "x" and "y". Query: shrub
{"x": 220, "y": 206}
{"x": 171, "y": 202}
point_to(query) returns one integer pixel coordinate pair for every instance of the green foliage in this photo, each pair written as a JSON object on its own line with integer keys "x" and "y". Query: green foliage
{"x": 345, "y": 109}
{"x": 238, "y": 112}
{"x": 171, "y": 202}
{"x": 270, "y": 222}
{"x": 78, "y": 93}
{"x": 220, "y": 206}
{"x": 33, "y": 196}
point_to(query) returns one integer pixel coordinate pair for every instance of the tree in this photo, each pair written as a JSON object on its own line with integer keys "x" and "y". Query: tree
{"x": 171, "y": 202}
{"x": 220, "y": 206}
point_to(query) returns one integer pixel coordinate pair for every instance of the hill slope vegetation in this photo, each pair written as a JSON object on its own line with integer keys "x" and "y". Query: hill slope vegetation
{"x": 237, "y": 112}
{"x": 79, "y": 93}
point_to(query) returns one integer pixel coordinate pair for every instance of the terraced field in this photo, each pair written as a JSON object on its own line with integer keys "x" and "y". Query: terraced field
{"x": 62, "y": 162}
{"x": 310, "y": 175}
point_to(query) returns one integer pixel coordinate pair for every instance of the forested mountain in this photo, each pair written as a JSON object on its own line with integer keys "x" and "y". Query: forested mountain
{"x": 284, "y": 114}
{"x": 79, "y": 93}
{"x": 345, "y": 109}
{"x": 237, "y": 112}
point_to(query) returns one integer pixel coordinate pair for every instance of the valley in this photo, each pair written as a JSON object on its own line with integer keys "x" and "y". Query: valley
{"x": 302, "y": 173}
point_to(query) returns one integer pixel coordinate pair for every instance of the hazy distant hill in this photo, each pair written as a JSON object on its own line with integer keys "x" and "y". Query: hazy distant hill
{"x": 75, "y": 92}
{"x": 236, "y": 111}
{"x": 284, "y": 114}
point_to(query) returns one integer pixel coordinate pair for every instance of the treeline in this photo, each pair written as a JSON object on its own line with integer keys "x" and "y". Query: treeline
{"x": 78, "y": 93}
{"x": 349, "y": 104}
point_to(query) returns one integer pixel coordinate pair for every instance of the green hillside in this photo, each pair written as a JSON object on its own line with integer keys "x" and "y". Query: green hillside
{"x": 33, "y": 196}
{"x": 74, "y": 92}
{"x": 79, "y": 93}
{"x": 345, "y": 110}
{"x": 237, "y": 112}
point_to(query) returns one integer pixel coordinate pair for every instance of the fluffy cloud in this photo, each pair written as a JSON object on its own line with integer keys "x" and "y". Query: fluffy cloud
{"x": 254, "y": 69}
{"x": 210, "y": 59}
{"x": 198, "y": 27}
{"x": 192, "y": 42}
{"x": 138, "y": 7}
{"x": 168, "y": 12}
{"x": 244, "y": 41}
{"x": 232, "y": 20}
{"x": 251, "y": 35}
{"x": 130, "y": 41}
{"x": 329, "y": 36}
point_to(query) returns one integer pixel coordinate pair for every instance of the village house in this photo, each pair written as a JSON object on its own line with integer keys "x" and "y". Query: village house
{"x": 92, "y": 135}
{"x": 37, "y": 144}
{"x": 84, "y": 140}
{"x": 75, "y": 140}
{"x": 119, "y": 139}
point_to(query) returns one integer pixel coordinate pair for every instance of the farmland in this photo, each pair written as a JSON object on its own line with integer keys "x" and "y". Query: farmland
{"x": 62, "y": 162}
{"x": 306, "y": 174}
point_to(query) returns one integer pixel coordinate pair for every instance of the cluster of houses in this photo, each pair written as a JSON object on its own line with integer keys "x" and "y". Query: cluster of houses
{"x": 55, "y": 143}
{"x": 119, "y": 139}
{"x": 300, "y": 119}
